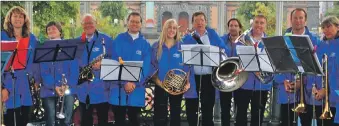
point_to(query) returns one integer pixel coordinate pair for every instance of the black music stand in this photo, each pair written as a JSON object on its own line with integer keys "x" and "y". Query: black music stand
{"x": 58, "y": 50}
{"x": 294, "y": 54}
{"x": 201, "y": 55}
{"x": 112, "y": 70}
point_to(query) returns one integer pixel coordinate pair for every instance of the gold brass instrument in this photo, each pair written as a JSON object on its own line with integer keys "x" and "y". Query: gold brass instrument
{"x": 38, "y": 111}
{"x": 61, "y": 100}
{"x": 86, "y": 73}
{"x": 300, "y": 108}
{"x": 327, "y": 114}
{"x": 246, "y": 39}
{"x": 175, "y": 81}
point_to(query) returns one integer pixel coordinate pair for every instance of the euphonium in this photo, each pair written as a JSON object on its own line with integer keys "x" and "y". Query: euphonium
{"x": 61, "y": 100}
{"x": 327, "y": 114}
{"x": 228, "y": 76}
{"x": 86, "y": 73}
{"x": 300, "y": 108}
{"x": 246, "y": 39}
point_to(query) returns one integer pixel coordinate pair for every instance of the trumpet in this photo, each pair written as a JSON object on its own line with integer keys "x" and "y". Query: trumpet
{"x": 327, "y": 114}
{"x": 60, "y": 114}
{"x": 300, "y": 108}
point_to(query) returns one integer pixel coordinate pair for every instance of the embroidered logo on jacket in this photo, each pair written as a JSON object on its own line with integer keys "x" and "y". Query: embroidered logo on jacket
{"x": 332, "y": 54}
{"x": 96, "y": 49}
{"x": 138, "y": 52}
{"x": 176, "y": 55}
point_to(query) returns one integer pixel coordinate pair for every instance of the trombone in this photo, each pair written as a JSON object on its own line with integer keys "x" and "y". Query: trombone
{"x": 300, "y": 108}
{"x": 327, "y": 114}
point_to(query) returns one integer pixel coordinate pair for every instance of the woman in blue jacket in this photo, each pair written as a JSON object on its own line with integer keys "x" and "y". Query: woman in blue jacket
{"x": 165, "y": 57}
{"x": 17, "y": 28}
{"x": 329, "y": 45}
{"x": 51, "y": 77}
{"x": 130, "y": 96}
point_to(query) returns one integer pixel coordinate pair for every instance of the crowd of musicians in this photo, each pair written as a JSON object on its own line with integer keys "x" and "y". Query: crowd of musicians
{"x": 164, "y": 55}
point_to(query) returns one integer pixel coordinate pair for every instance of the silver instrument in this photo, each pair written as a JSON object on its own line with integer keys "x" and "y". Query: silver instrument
{"x": 246, "y": 39}
{"x": 61, "y": 100}
{"x": 228, "y": 76}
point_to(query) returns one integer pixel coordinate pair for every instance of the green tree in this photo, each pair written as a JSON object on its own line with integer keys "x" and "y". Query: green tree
{"x": 116, "y": 10}
{"x": 105, "y": 25}
{"x": 248, "y": 10}
{"x": 5, "y": 6}
{"x": 333, "y": 11}
{"x": 45, "y": 11}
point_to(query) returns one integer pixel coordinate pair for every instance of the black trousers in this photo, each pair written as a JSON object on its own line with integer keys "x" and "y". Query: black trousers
{"x": 87, "y": 114}
{"x": 258, "y": 101}
{"x": 161, "y": 106}
{"x": 287, "y": 115}
{"x": 22, "y": 115}
{"x": 207, "y": 100}
{"x": 225, "y": 104}
{"x": 120, "y": 115}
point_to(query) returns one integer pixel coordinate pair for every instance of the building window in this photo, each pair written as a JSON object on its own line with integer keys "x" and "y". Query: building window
{"x": 234, "y": 13}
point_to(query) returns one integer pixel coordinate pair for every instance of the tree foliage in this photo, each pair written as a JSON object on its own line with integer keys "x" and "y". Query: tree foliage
{"x": 248, "y": 10}
{"x": 333, "y": 11}
{"x": 105, "y": 25}
{"x": 116, "y": 10}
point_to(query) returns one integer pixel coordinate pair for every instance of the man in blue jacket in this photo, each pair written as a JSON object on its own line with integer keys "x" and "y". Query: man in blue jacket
{"x": 208, "y": 37}
{"x": 253, "y": 91}
{"x": 234, "y": 28}
{"x": 286, "y": 81}
{"x": 93, "y": 94}
{"x": 130, "y": 96}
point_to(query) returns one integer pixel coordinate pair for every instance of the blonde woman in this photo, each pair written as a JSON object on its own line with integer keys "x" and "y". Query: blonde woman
{"x": 166, "y": 56}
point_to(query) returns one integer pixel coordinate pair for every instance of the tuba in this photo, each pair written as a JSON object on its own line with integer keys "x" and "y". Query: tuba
{"x": 86, "y": 73}
{"x": 228, "y": 76}
{"x": 246, "y": 39}
{"x": 327, "y": 114}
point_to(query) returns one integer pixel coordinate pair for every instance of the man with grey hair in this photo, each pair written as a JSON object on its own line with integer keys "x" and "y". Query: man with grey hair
{"x": 93, "y": 94}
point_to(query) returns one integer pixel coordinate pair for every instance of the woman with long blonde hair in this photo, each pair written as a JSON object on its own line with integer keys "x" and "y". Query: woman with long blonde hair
{"x": 166, "y": 56}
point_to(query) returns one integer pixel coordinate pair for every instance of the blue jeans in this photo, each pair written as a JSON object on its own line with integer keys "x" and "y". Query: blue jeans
{"x": 49, "y": 105}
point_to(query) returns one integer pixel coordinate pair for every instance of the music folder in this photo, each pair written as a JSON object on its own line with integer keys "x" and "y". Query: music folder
{"x": 5, "y": 56}
{"x": 112, "y": 70}
{"x": 201, "y": 55}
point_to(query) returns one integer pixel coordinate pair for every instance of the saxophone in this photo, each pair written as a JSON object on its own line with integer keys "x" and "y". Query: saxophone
{"x": 86, "y": 73}
{"x": 38, "y": 111}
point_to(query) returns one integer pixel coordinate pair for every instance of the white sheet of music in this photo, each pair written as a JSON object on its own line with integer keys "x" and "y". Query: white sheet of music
{"x": 248, "y": 59}
{"x": 130, "y": 72}
{"x": 191, "y": 54}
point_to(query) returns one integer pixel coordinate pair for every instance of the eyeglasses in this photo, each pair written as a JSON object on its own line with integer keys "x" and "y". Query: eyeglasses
{"x": 88, "y": 23}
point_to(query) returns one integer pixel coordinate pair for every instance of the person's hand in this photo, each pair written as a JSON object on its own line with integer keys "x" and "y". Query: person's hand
{"x": 4, "y": 95}
{"x": 97, "y": 65}
{"x": 320, "y": 94}
{"x": 129, "y": 87}
{"x": 291, "y": 86}
{"x": 59, "y": 91}
{"x": 187, "y": 86}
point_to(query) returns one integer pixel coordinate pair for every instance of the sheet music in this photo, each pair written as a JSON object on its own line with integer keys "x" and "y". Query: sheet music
{"x": 211, "y": 55}
{"x": 249, "y": 61}
{"x": 110, "y": 70}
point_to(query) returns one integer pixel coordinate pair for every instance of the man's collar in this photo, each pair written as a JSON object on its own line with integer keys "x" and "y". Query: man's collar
{"x": 205, "y": 33}
{"x": 302, "y": 33}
